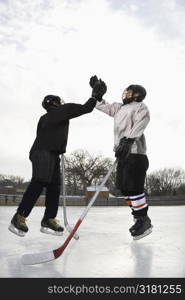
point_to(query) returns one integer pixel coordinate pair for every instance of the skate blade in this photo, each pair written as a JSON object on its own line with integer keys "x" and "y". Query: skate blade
{"x": 16, "y": 231}
{"x": 147, "y": 232}
{"x": 50, "y": 231}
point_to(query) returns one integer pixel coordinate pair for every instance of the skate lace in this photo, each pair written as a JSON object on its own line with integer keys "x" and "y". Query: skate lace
{"x": 22, "y": 220}
{"x": 54, "y": 222}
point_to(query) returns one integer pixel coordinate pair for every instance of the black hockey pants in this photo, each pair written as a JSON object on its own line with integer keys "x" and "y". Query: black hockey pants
{"x": 45, "y": 173}
{"x": 130, "y": 177}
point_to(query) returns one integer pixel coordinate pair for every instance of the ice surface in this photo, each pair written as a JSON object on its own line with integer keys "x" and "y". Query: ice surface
{"x": 105, "y": 247}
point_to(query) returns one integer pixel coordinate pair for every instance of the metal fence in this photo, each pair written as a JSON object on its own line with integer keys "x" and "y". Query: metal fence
{"x": 14, "y": 200}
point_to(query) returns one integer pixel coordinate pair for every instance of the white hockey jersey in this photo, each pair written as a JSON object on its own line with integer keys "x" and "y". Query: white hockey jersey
{"x": 130, "y": 121}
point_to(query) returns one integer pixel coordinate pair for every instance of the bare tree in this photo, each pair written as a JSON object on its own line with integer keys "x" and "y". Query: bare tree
{"x": 11, "y": 180}
{"x": 84, "y": 169}
{"x": 164, "y": 181}
{"x": 181, "y": 189}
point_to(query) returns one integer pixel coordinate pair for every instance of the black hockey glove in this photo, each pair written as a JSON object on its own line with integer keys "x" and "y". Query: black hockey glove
{"x": 99, "y": 90}
{"x": 93, "y": 80}
{"x": 124, "y": 148}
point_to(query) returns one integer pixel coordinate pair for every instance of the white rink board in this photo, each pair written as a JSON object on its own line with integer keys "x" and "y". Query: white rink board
{"x": 105, "y": 247}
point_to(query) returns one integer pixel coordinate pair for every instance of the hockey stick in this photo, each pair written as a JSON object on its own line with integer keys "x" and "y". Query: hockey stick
{"x": 66, "y": 224}
{"x": 39, "y": 258}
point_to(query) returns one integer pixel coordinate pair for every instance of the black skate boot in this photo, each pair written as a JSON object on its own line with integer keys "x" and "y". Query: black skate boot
{"x": 18, "y": 225}
{"x": 51, "y": 226}
{"x": 141, "y": 228}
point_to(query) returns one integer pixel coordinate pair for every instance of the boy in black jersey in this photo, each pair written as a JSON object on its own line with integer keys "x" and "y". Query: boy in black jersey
{"x": 50, "y": 142}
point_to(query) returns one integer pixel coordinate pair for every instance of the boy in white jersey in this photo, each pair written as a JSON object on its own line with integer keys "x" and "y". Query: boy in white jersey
{"x": 130, "y": 120}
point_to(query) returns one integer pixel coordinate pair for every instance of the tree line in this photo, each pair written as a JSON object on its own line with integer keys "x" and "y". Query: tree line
{"x": 83, "y": 169}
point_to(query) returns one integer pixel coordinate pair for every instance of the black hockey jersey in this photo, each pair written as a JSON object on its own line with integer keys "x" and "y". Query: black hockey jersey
{"x": 52, "y": 128}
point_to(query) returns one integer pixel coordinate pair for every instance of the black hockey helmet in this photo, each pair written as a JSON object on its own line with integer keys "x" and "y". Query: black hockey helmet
{"x": 137, "y": 89}
{"x": 51, "y": 101}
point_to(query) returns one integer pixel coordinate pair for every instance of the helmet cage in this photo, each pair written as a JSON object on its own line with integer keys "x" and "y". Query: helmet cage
{"x": 137, "y": 89}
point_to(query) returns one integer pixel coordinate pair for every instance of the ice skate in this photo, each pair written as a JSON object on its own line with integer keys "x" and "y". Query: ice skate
{"x": 141, "y": 228}
{"x": 51, "y": 226}
{"x": 18, "y": 225}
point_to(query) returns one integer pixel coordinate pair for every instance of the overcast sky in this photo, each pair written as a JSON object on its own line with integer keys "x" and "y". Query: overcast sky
{"x": 54, "y": 47}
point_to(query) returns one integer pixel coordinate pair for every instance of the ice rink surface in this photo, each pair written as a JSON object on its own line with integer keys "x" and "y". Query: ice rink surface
{"x": 105, "y": 247}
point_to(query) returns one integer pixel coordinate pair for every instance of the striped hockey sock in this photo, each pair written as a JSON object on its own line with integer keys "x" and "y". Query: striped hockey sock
{"x": 138, "y": 202}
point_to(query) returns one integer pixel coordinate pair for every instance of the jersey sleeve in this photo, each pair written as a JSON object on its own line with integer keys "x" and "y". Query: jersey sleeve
{"x": 140, "y": 122}
{"x": 71, "y": 110}
{"x": 107, "y": 108}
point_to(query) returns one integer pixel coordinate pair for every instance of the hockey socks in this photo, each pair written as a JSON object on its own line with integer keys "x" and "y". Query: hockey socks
{"x": 142, "y": 226}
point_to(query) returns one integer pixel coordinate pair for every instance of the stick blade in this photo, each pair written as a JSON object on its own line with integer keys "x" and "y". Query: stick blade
{"x": 37, "y": 258}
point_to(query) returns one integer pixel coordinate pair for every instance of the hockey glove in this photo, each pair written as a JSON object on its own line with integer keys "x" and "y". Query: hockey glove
{"x": 93, "y": 80}
{"x": 99, "y": 90}
{"x": 124, "y": 148}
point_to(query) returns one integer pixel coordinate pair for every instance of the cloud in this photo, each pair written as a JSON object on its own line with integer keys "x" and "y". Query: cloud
{"x": 165, "y": 16}
{"x": 55, "y": 46}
